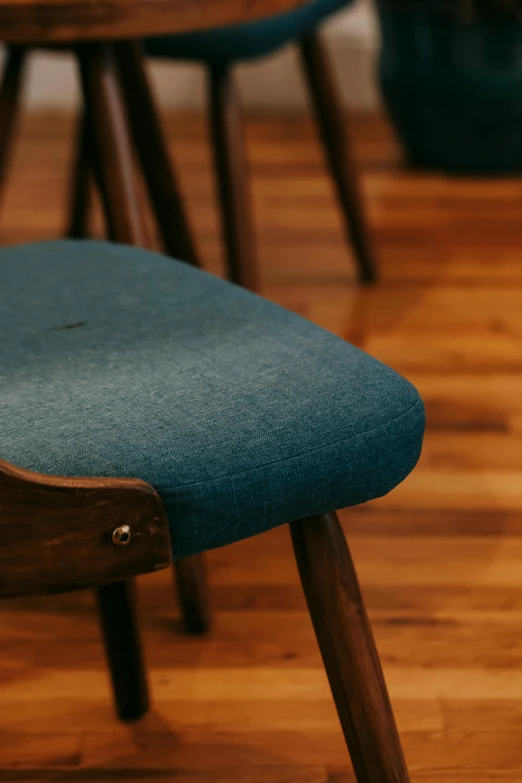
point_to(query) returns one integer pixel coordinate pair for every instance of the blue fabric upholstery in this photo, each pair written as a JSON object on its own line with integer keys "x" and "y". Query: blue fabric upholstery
{"x": 244, "y": 41}
{"x": 116, "y": 361}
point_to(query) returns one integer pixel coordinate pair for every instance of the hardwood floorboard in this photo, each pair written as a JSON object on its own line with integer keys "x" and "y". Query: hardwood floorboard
{"x": 440, "y": 559}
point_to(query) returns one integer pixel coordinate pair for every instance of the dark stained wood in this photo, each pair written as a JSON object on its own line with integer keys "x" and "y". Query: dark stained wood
{"x": 41, "y": 21}
{"x": 145, "y": 127}
{"x": 232, "y": 178}
{"x": 10, "y": 93}
{"x": 119, "y": 623}
{"x": 121, "y": 200}
{"x": 350, "y": 657}
{"x": 153, "y": 152}
{"x": 108, "y": 126}
{"x": 192, "y": 587}
{"x": 332, "y": 127}
{"x": 80, "y": 187}
{"x": 56, "y": 533}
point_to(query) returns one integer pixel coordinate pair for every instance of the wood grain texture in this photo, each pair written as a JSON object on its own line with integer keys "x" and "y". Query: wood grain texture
{"x": 440, "y": 569}
{"x": 40, "y": 21}
{"x": 57, "y": 532}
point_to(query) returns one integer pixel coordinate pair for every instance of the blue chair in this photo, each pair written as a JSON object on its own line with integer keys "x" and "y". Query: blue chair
{"x": 121, "y": 96}
{"x": 220, "y": 50}
{"x": 198, "y": 414}
{"x": 149, "y": 410}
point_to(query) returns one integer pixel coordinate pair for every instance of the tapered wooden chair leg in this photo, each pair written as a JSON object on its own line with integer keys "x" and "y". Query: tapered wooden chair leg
{"x": 117, "y": 609}
{"x": 331, "y": 122}
{"x": 192, "y": 589}
{"x": 232, "y": 178}
{"x": 348, "y": 649}
{"x": 153, "y": 153}
{"x": 10, "y": 94}
{"x": 112, "y": 145}
{"x": 80, "y": 186}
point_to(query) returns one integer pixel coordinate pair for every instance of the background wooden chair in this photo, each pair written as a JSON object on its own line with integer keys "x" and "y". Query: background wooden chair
{"x": 220, "y": 50}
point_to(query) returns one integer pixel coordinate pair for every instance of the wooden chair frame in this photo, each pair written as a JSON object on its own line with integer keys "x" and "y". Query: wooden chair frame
{"x": 60, "y": 534}
{"x": 229, "y": 154}
{"x": 43, "y": 518}
{"x": 231, "y": 166}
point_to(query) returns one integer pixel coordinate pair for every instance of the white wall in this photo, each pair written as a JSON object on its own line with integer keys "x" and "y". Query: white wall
{"x": 271, "y": 83}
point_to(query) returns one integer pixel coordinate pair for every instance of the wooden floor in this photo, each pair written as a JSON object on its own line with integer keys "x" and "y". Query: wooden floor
{"x": 440, "y": 559}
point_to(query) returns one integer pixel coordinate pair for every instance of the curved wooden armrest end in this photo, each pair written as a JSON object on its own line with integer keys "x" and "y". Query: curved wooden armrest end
{"x": 59, "y": 534}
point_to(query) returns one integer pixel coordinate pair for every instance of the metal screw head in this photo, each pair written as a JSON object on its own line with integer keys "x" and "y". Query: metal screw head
{"x": 122, "y": 535}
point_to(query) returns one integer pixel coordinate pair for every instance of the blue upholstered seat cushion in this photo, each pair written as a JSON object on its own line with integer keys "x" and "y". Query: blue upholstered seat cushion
{"x": 244, "y": 41}
{"x": 116, "y": 361}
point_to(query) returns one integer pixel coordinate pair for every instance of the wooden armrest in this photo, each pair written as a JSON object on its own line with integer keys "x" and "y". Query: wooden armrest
{"x": 59, "y": 534}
